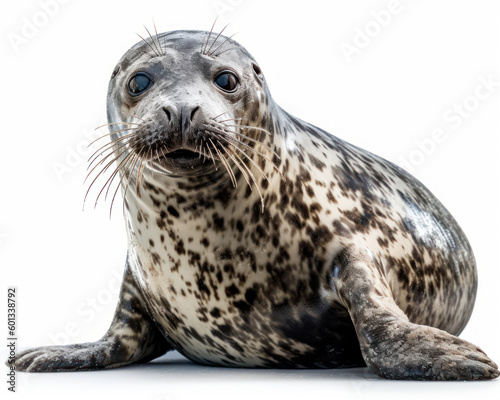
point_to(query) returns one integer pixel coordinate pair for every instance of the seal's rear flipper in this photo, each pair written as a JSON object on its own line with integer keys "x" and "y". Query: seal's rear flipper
{"x": 391, "y": 345}
{"x": 132, "y": 338}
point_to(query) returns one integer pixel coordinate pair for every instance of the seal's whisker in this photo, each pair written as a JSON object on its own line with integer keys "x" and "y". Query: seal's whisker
{"x": 115, "y": 173}
{"x": 164, "y": 52}
{"x": 125, "y": 171}
{"x": 228, "y": 168}
{"x": 254, "y": 141}
{"x": 137, "y": 165}
{"x": 225, "y": 41}
{"x": 125, "y": 191}
{"x": 242, "y": 100}
{"x": 117, "y": 123}
{"x": 140, "y": 160}
{"x": 258, "y": 153}
{"x": 100, "y": 153}
{"x": 226, "y": 164}
{"x": 157, "y": 154}
{"x": 228, "y": 138}
{"x": 140, "y": 170}
{"x": 110, "y": 144}
{"x": 203, "y": 151}
{"x": 99, "y": 174}
{"x": 225, "y": 112}
{"x": 216, "y": 150}
{"x": 109, "y": 134}
{"x": 127, "y": 174}
{"x": 229, "y": 119}
{"x": 159, "y": 53}
{"x": 248, "y": 157}
{"x": 110, "y": 148}
{"x": 135, "y": 116}
{"x": 103, "y": 160}
{"x": 220, "y": 33}
{"x": 242, "y": 152}
{"x": 256, "y": 128}
{"x": 144, "y": 52}
{"x": 120, "y": 168}
{"x": 250, "y": 139}
{"x": 95, "y": 166}
{"x": 120, "y": 182}
{"x": 212, "y": 157}
{"x": 247, "y": 170}
{"x": 150, "y": 154}
{"x": 145, "y": 41}
{"x": 140, "y": 176}
{"x": 112, "y": 176}
{"x": 224, "y": 51}
{"x": 163, "y": 149}
{"x": 237, "y": 166}
{"x": 106, "y": 167}
{"x": 252, "y": 177}
{"x": 208, "y": 37}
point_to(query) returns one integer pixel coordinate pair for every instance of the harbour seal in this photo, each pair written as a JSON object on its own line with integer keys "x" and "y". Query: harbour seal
{"x": 259, "y": 240}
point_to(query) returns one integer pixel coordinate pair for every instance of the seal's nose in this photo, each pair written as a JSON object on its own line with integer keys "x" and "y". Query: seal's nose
{"x": 185, "y": 117}
{"x": 169, "y": 111}
{"x": 193, "y": 112}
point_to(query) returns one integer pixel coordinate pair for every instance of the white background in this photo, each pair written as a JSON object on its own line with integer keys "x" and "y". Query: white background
{"x": 393, "y": 93}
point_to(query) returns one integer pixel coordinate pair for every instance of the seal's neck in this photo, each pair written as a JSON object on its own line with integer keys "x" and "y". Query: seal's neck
{"x": 158, "y": 193}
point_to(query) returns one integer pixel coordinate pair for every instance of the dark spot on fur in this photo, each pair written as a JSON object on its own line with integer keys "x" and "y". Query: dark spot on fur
{"x": 173, "y": 211}
{"x": 218, "y": 222}
{"x": 294, "y": 220}
{"x": 250, "y": 295}
{"x": 309, "y": 191}
{"x": 226, "y": 254}
{"x": 179, "y": 247}
{"x": 232, "y": 290}
{"x": 317, "y": 163}
{"x": 239, "y": 225}
{"x": 243, "y": 306}
{"x": 202, "y": 287}
{"x": 215, "y": 312}
{"x": 305, "y": 250}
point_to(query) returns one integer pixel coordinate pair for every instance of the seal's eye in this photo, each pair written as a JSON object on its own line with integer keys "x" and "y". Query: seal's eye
{"x": 227, "y": 81}
{"x": 139, "y": 83}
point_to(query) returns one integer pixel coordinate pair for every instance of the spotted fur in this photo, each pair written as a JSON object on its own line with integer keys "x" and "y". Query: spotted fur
{"x": 333, "y": 257}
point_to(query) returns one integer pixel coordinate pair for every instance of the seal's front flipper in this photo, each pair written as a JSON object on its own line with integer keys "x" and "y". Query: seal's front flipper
{"x": 132, "y": 338}
{"x": 391, "y": 345}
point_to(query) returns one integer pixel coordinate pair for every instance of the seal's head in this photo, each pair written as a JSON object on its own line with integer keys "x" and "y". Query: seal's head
{"x": 182, "y": 101}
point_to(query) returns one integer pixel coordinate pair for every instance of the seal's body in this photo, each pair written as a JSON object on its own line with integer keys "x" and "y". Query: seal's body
{"x": 259, "y": 240}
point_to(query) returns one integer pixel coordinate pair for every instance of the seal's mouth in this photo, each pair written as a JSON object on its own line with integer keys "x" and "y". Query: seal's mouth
{"x": 182, "y": 155}
{"x": 182, "y": 160}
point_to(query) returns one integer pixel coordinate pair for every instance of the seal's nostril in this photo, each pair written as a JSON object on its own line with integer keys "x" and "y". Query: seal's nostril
{"x": 169, "y": 114}
{"x": 194, "y": 112}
